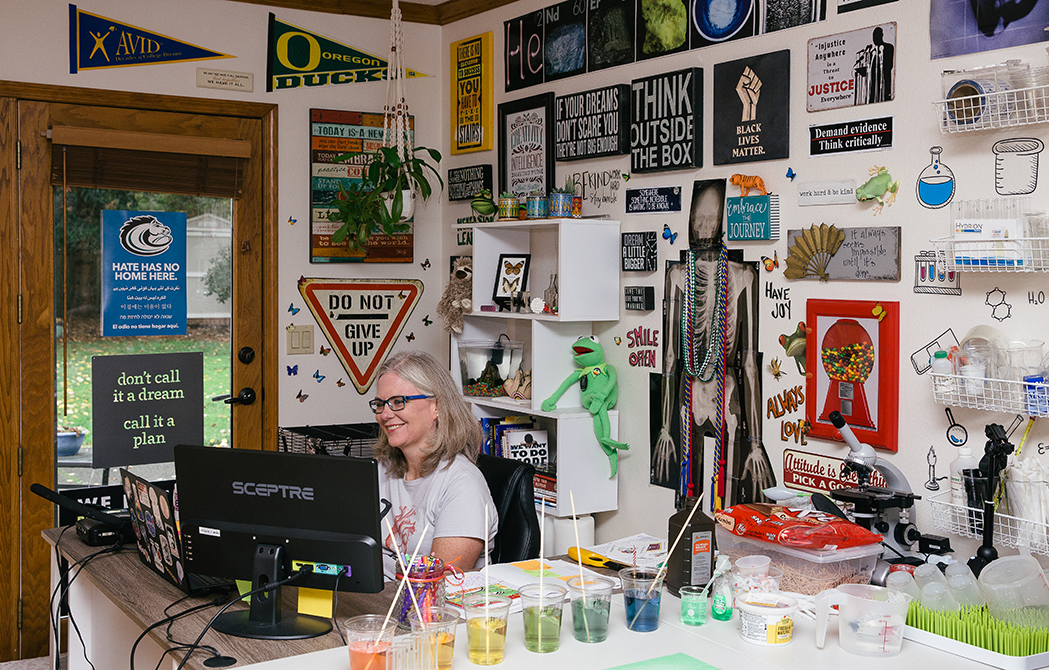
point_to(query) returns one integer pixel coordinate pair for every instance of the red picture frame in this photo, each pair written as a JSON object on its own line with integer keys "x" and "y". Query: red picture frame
{"x": 858, "y": 374}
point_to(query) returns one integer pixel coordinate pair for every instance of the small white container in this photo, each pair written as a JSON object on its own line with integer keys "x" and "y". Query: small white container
{"x": 766, "y": 619}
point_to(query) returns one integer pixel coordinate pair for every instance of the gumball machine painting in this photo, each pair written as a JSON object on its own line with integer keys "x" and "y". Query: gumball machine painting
{"x": 847, "y": 354}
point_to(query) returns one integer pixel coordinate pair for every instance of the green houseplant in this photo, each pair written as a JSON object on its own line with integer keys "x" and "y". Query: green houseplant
{"x": 380, "y": 198}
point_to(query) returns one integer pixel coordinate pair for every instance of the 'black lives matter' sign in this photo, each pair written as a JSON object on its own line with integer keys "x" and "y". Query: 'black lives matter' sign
{"x": 752, "y": 109}
{"x": 592, "y": 123}
{"x": 666, "y": 121}
{"x": 145, "y": 404}
{"x": 465, "y": 183}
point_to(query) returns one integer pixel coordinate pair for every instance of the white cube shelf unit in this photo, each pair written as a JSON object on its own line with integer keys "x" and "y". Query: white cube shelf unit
{"x": 585, "y": 255}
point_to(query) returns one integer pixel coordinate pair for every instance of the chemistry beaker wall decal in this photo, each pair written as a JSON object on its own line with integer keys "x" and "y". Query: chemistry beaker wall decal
{"x": 1016, "y": 165}
{"x": 936, "y": 183}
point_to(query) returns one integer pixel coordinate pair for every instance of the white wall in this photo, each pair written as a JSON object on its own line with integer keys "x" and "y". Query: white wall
{"x": 923, "y": 423}
{"x": 36, "y": 39}
{"x": 35, "y": 35}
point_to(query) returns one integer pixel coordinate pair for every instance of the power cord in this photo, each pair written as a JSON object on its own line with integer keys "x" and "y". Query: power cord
{"x": 171, "y": 619}
{"x": 335, "y": 605}
{"x": 64, "y": 588}
{"x": 273, "y": 586}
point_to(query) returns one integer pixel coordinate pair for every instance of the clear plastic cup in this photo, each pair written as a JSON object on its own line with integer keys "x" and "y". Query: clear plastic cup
{"x": 753, "y": 565}
{"x": 641, "y": 592}
{"x": 437, "y": 625}
{"x": 1016, "y": 591}
{"x": 542, "y": 605}
{"x": 936, "y": 596}
{"x": 369, "y": 641}
{"x": 591, "y": 602}
{"x": 966, "y": 591}
{"x": 927, "y": 573}
{"x": 486, "y": 616}
{"x": 903, "y": 582}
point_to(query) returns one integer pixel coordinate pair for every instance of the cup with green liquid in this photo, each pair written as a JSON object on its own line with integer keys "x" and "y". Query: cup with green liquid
{"x": 542, "y": 604}
{"x": 591, "y": 601}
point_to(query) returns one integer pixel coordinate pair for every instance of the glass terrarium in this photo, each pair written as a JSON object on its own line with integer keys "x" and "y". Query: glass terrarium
{"x": 486, "y": 364}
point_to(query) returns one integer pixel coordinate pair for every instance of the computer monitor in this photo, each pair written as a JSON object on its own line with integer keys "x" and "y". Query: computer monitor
{"x": 259, "y": 516}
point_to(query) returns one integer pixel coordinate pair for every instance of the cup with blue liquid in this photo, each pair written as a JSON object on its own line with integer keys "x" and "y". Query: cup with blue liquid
{"x": 641, "y": 591}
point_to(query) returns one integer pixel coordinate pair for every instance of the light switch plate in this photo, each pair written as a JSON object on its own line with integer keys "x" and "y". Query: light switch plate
{"x": 300, "y": 340}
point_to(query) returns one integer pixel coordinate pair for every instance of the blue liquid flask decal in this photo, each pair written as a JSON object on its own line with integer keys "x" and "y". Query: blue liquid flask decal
{"x": 936, "y": 182}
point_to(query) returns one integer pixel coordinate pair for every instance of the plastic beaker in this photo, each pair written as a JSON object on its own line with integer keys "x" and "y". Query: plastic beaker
{"x": 926, "y": 573}
{"x": 1016, "y": 590}
{"x": 937, "y": 596}
{"x": 902, "y": 581}
{"x": 966, "y": 591}
{"x": 870, "y": 618}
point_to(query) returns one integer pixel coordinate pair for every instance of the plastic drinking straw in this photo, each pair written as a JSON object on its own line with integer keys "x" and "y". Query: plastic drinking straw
{"x": 404, "y": 579}
{"x": 404, "y": 569}
{"x": 659, "y": 573}
{"x": 579, "y": 558}
{"x": 542, "y": 528}
{"x": 487, "y": 607}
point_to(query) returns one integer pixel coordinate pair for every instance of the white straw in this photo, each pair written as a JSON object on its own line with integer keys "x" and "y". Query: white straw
{"x": 487, "y": 607}
{"x": 542, "y": 528}
{"x": 404, "y": 570}
{"x": 579, "y": 557}
{"x": 659, "y": 573}
{"x": 418, "y": 545}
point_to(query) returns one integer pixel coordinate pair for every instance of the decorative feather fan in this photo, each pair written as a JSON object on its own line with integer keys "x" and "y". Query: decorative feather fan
{"x": 811, "y": 252}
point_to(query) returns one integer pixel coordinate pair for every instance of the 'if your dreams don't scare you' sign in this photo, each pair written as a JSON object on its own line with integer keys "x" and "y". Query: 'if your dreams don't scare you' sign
{"x": 665, "y": 111}
{"x": 145, "y": 404}
{"x": 592, "y": 123}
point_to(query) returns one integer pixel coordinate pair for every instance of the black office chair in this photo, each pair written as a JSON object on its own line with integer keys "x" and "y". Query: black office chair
{"x": 510, "y": 483}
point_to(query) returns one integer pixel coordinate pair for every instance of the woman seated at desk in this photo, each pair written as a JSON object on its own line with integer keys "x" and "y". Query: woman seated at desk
{"x": 428, "y": 443}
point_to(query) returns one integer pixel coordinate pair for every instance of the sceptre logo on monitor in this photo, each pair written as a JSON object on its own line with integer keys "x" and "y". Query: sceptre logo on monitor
{"x": 267, "y": 490}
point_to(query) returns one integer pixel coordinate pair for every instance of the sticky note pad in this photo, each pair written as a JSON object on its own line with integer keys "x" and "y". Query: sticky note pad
{"x": 315, "y": 601}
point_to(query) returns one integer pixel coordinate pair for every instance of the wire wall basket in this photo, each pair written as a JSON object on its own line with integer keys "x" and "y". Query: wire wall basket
{"x": 1009, "y": 531}
{"x": 1015, "y": 254}
{"x": 995, "y": 395}
{"x": 996, "y": 96}
{"x": 347, "y": 439}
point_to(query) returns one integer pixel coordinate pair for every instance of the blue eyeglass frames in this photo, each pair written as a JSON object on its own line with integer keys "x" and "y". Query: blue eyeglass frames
{"x": 396, "y": 403}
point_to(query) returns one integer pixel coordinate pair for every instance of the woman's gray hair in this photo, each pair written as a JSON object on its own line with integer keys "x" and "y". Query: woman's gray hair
{"x": 457, "y": 431}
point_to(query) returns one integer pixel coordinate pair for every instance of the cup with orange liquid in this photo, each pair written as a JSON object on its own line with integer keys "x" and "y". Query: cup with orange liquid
{"x": 369, "y": 641}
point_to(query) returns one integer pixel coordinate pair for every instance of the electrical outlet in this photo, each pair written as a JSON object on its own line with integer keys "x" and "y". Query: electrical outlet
{"x": 300, "y": 340}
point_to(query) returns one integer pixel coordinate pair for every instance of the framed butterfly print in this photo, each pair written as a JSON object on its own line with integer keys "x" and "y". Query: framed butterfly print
{"x": 510, "y": 277}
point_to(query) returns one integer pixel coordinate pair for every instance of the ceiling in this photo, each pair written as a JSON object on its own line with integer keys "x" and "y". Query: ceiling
{"x": 434, "y": 12}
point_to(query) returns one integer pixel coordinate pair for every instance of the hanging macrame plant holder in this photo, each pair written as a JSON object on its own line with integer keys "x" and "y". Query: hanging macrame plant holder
{"x": 396, "y": 129}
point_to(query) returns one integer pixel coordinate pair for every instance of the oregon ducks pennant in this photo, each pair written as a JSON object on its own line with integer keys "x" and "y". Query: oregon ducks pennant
{"x": 298, "y": 58}
{"x": 96, "y": 42}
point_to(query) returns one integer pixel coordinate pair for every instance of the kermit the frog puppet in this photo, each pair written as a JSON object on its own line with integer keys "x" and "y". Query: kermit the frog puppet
{"x": 597, "y": 383}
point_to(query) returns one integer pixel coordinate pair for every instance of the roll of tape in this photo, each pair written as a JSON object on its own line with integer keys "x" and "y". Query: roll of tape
{"x": 972, "y": 101}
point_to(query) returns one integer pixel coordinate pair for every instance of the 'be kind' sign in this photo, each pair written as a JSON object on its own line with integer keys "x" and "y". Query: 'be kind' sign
{"x": 666, "y": 121}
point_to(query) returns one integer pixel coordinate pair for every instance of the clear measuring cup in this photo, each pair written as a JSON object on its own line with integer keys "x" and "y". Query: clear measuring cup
{"x": 870, "y": 618}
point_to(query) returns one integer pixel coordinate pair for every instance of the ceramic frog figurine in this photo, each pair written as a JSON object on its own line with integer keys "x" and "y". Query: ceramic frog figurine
{"x": 877, "y": 186}
{"x": 597, "y": 382}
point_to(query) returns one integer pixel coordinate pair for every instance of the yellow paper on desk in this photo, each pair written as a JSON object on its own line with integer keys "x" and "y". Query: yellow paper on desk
{"x": 315, "y": 601}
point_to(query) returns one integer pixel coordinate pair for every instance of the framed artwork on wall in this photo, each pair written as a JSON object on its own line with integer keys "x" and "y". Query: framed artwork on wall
{"x": 852, "y": 356}
{"x": 526, "y": 145}
{"x": 510, "y": 277}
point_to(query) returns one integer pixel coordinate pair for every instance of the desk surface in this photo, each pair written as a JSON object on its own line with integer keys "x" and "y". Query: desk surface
{"x": 142, "y": 596}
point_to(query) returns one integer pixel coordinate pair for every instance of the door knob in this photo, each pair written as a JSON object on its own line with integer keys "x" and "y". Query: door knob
{"x": 245, "y": 397}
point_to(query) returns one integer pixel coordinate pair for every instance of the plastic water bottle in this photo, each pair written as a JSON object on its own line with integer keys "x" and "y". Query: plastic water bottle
{"x": 965, "y": 461}
{"x": 942, "y": 369}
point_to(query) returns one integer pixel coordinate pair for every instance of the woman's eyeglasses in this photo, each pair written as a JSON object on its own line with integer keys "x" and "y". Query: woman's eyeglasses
{"x": 396, "y": 403}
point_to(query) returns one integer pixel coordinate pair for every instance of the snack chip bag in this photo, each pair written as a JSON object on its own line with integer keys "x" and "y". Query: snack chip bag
{"x": 801, "y": 528}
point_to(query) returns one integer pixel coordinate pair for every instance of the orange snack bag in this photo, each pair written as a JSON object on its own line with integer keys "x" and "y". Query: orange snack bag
{"x": 801, "y": 528}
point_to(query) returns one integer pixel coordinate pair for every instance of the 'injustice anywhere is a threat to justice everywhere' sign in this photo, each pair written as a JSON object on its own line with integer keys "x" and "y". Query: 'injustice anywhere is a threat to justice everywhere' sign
{"x": 591, "y": 123}
{"x": 145, "y": 404}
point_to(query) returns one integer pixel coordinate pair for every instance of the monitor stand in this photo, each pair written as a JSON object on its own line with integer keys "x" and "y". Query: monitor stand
{"x": 264, "y": 619}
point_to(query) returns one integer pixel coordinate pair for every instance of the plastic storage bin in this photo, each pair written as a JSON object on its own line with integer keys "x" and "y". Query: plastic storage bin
{"x": 806, "y": 571}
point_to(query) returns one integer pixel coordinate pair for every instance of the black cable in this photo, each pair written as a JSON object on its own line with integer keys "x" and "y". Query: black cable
{"x": 889, "y": 546}
{"x": 169, "y": 620}
{"x": 335, "y": 606}
{"x": 65, "y": 591}
{"x": 51, "y": 601}
{"x": 273, "y": 586}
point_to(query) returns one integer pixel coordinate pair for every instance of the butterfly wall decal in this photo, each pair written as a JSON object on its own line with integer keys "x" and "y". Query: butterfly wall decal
{"x": 292, "y": 220}
{"x": 410, "y": 336}
{"x": 618, "y": 340}
{"x": 293, "y": 309}
{"x": 340, "y": 383}
{"x": 510, "y": 286}
{"x": 425, "y": 264}
{"x": 770, "y": 263}
{"x": 293, "y": 370}
{"x": 325, "y": 350}
{"x": 318, "y": 376}
{"x": 513, "y": 268}
{"x": 302, "y": 396}
{"x": 791, "y": 173}
{"x": 668, "y": 234}
{"x": 878, "y": 311}
{"x": 774, "y": 367}
{"x": 427, "y": 320}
